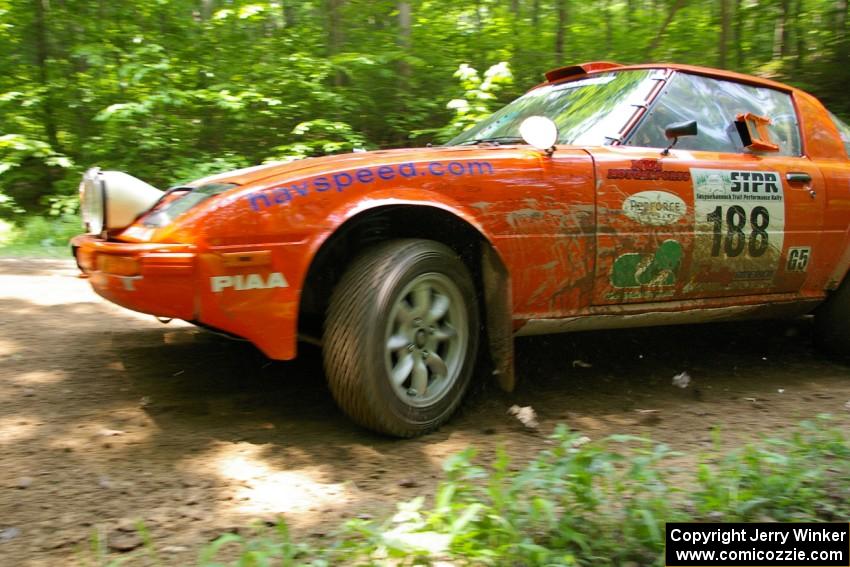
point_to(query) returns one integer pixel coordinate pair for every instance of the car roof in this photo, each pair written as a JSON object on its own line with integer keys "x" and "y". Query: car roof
{"x": 583, "y": 70}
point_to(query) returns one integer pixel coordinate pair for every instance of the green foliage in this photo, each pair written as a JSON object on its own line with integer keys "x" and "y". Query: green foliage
{"x": 25, "y": 161}
{"x": 265, "y": 547}
{"x": 320, "y": 137}
{"x": 784, "y": 480}
{"x": 16, "y": 149}
{"x": 39, "y": 236}
{"x": 479, "y": 97}
{"x": 185, "y": 172}
{"x": 576, "y": 503}
{"x": 7, "y": 233}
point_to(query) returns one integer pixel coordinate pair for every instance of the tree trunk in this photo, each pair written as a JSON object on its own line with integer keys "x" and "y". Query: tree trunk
{"x": 334, "y": 30}
{"x": 739, "y": 28}
{"x": 535, "y": 13}
{"x": 404, "y": 21}
{"x": 799, "y": 36}
{"x": 334, "y": 25}
{"x": 724, "y": 34}
{"x": 677, "y": 5}
{"x": 561, "y": 32}
{"x": 206, "y": 9}
{"x": 516, "y": 36}
{"x": 841, "y": 49}
{"x": 289, "y": 17}
{"x": 42, "y": 54}
{"x": 780, "y": 34}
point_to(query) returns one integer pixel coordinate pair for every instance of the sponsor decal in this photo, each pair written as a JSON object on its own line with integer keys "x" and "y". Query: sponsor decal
{"x": 643, "y": 294}
{"x": 244, "y": 282}
{"x": 650, "y": 270}
{"x": 754, "y": 275}
{"x": 729, "y": 185}
{"x": 648, "y": 170}
{"x": 655, "y": 208}
{"x": 739, "y": 221}
{"x": 340, "y": 181}
{"x": 798, "y": 258}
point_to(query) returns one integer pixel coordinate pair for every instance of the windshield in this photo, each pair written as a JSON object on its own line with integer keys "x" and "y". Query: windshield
{"x": 590, "y": 111}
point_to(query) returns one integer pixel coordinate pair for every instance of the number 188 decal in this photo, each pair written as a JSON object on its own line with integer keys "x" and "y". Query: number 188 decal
{"x": 740, "y": 227}
{"x": 798, "y": 259}
{"x": 736, "y": 240}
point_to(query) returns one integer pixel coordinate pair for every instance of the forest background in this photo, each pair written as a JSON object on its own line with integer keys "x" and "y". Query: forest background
{"x": 170, "y": 90}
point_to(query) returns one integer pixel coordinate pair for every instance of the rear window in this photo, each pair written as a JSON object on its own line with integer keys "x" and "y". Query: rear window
{"x": 844, "y": 131}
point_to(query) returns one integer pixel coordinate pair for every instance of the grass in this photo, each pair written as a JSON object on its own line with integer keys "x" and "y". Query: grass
{"x": 579, "y": 502}
{"x": 43, "y": 237}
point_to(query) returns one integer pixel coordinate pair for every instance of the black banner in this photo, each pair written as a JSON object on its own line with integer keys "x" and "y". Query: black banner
{"x": 758, "y": 544}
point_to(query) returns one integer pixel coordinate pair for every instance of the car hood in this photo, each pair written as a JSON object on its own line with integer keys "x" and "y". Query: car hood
{"x": 283, "y": 170}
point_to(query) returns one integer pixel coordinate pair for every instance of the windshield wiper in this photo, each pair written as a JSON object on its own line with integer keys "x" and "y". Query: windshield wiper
{"x": 495, "y": 140}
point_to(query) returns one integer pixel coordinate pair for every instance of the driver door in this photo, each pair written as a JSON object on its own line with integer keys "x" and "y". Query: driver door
{"x": 712, "y": 218}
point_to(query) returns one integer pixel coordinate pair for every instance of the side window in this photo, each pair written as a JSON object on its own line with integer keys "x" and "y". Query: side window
{"x": 715, "y": 104}
{"x": 843, "y": 131}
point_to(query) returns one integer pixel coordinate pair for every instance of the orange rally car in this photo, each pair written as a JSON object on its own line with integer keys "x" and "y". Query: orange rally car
{"x": 608, "y": 196}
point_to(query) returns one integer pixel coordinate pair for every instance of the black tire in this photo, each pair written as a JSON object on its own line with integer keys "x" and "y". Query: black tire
{"x": 357, "y": 358}
{"x": 832, "y": 322}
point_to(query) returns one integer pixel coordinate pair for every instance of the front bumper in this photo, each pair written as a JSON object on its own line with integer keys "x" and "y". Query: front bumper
{"x": 149, "y": 277}
{"x": 245, "y": 291}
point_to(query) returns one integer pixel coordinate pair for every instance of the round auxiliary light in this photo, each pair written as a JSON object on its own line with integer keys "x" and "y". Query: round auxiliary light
{"x": 539, "y": 132}
{"x": 93, "y": 201}
{"x": 127, "y": 197}
{"x": 112, "y": 200}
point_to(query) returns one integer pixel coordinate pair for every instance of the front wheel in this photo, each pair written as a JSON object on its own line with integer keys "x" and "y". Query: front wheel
{"x": 401, "y": 337}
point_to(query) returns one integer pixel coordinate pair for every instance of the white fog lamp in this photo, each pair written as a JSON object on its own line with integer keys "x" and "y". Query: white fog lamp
{"x": 539, "y": 132}
{"x": 92, "y": 201}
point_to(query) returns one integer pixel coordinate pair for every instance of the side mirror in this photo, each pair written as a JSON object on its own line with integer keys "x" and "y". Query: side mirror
{"x": 539, "y": 132}
{"x": 677, "y": 130}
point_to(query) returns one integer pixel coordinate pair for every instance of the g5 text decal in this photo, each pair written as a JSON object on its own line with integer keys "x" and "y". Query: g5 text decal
{"x": 739, "y": 221}
{"x": 248, "y": 281}
{"x": 798, "y": 258}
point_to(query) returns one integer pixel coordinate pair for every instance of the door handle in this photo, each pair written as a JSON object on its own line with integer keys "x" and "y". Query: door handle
{"x": 798, "y": 177}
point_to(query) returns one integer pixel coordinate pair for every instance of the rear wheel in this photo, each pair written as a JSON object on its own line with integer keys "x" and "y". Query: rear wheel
{"x": 832, "y": 322}
{"x": 401, "y": 336}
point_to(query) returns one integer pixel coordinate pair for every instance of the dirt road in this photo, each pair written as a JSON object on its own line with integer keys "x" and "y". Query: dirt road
{"x": 109, "y": 417}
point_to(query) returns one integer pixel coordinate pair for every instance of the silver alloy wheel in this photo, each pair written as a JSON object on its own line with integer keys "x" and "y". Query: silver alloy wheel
{"x": 426, "y": 339}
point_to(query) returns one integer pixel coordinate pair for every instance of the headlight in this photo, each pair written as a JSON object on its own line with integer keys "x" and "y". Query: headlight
{"x": 113, "y": 199}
